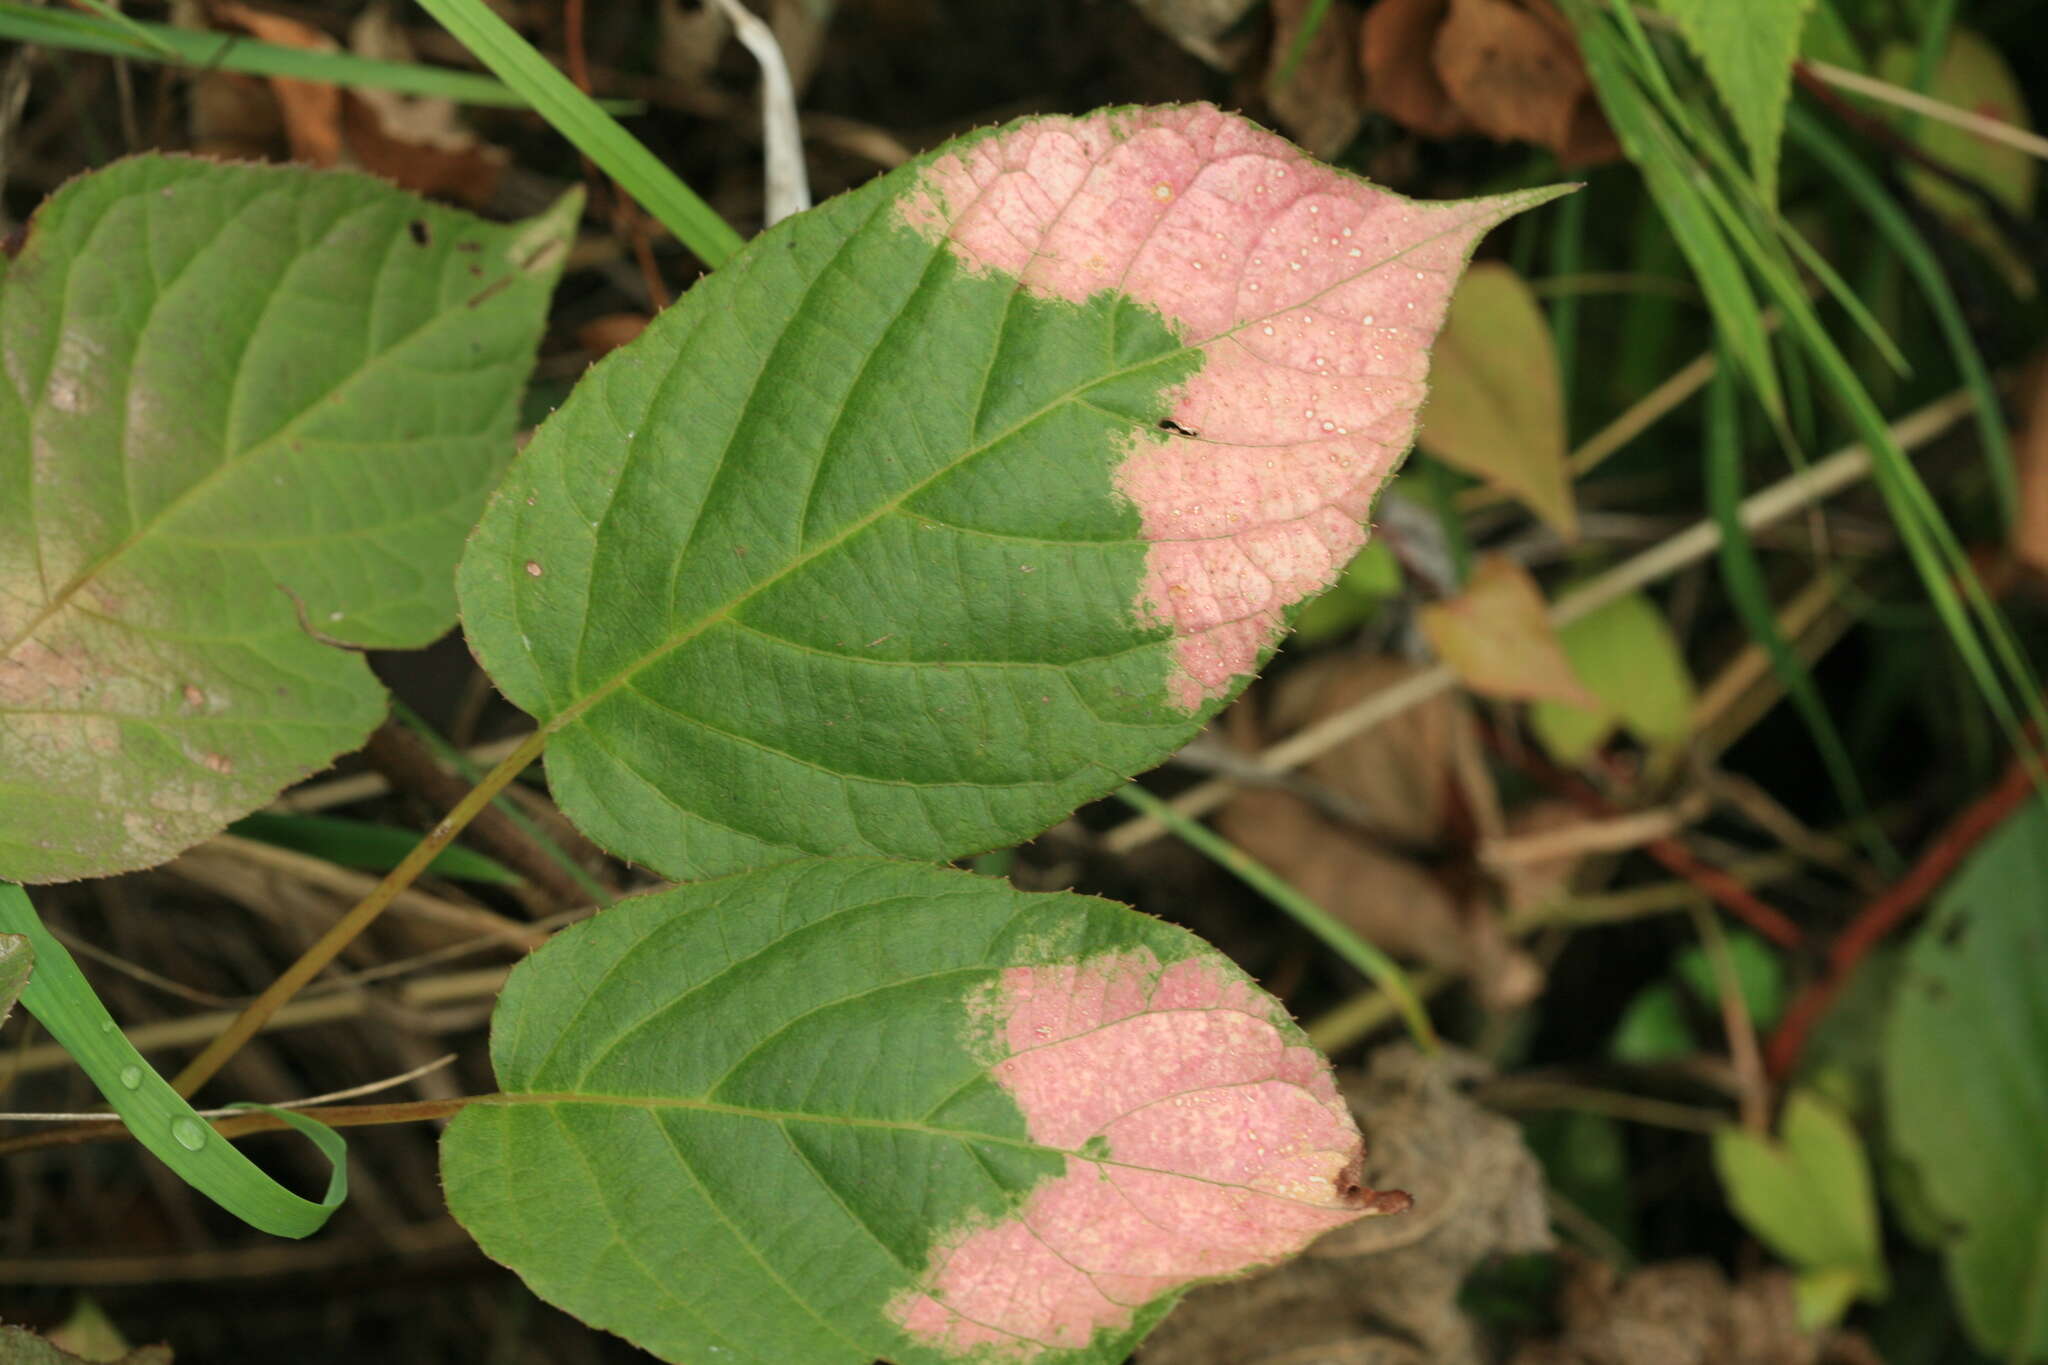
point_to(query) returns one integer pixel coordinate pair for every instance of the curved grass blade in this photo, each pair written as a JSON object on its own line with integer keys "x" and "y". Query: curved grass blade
{"x": 140, "y": 41}
{"x": 1375, "y": 965}
{"x": 1864, "y": 187}
{"x": 596, "y": 134}
{"x": 160, "y": 1119}
{"x": 1619, "y": 56}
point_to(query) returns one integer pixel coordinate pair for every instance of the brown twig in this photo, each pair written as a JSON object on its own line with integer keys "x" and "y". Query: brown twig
{"x": 1941, "y": 857}
{"x": 345, "y": 930}
{"x": 333, "y": 1115}
{"x": 1676, "y": 858}
{"x": 409, "y": 765}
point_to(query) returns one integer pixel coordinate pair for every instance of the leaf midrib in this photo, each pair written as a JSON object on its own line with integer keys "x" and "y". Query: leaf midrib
{"x": 515, "y": 1099}
{"x": 575, "y": 710}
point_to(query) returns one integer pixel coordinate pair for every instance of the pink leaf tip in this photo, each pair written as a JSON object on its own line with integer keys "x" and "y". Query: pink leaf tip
{"x": 1215, "y": 1143}
{"x": 1312, "y": 296}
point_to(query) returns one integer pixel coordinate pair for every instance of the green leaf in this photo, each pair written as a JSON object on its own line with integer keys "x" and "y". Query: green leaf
{"x": 1497, "y": 406}
{"x": 1973, "y": 75}
{"x": 249, "y": 415}
{"x": 157, "y": 1116}
{"x": 17, "y": 960}
{"x": 1585, "y": 1159}
{"x": 1966, "y": 1084}
{"x": 950, "y": 504}
{"x": 1653, "y": 1028}
{"x": 358, "y": 843}
{"x": 1828, "y": 38}
{"x": 1758, "y": 971}
{"x": 1747, "y": 47}
{"x": 19, "y": 1346}
{"x": 841, "y": 1110}
{"x": 1627, "y": 656}
{"x": 1807, "y": 1195}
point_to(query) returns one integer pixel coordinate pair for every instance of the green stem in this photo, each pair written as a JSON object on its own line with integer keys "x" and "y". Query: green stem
{"x": 460, "y": 762}
{"x": 344, "y": 930}
{"x": 1376, "y": 965}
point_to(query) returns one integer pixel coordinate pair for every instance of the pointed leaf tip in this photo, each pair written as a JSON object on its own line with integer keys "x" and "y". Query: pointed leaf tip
{"x": 842, "y": 1110}
{"x": 1312, "y": 298}
{"x": 952, "y": 503}
{"x": 1223, "y": 1147}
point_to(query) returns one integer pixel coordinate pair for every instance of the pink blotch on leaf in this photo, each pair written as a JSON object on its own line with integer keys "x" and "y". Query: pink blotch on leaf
{"x": 1227, "y": 1147}
{"x": 1313, "y": 296}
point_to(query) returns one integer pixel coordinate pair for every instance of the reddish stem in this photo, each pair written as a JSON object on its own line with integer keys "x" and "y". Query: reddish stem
{"x": 1941, "y": 858}
{"x": 1737, "y": 899}
{"x": 626, "y": 218}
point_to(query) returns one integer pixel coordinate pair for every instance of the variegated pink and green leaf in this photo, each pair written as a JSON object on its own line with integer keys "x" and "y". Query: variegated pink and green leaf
{"x": 852, "y": 1109}
{"x": 952, "y": 503}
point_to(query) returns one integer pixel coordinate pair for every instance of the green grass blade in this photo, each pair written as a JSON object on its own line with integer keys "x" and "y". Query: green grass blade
{"x": 1703, "y": 134}
{"x": 1311, "y": 21}
{"x": 1567, "y": 254}
{"x": 459, "y": 761}
{"x": 1657, "y": 152}
{"x": 1865, "y": 188}
{"x": 359, "y": 843}
{"x": 158, "y": 1117}
{"x": 132, "y": 38}
{"x": 1377, "y": 967}
{"x": 135, "y": 30}
{"x": 1618, "y": 55}
{"x": 1743, "y": 575}
{"x": 595, "y": 133}
{"x": 17, "y": 961}
{"x": 1932, "y": 544}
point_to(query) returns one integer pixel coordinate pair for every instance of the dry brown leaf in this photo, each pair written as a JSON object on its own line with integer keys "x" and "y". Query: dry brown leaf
{"x": 1686, "y": 1313}
{"x": 2030, "y": 453}
{"x": 1497, "y": 637}
{"x": 1399, "y": 40}
{"x": 1507, "y": 68}
{"x": 415, "y": 141}
{"x": 1414, "y": 792}
{"x": 1531, "y": 882}
{"x": 1515, "y": 72}
{"x": 1319, "y": 102}
{"x": 601, "y": 336}
{"x": 693, "y": 35}
{"x": 1387, "y": 899}
{"x": 311, "y": 109}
